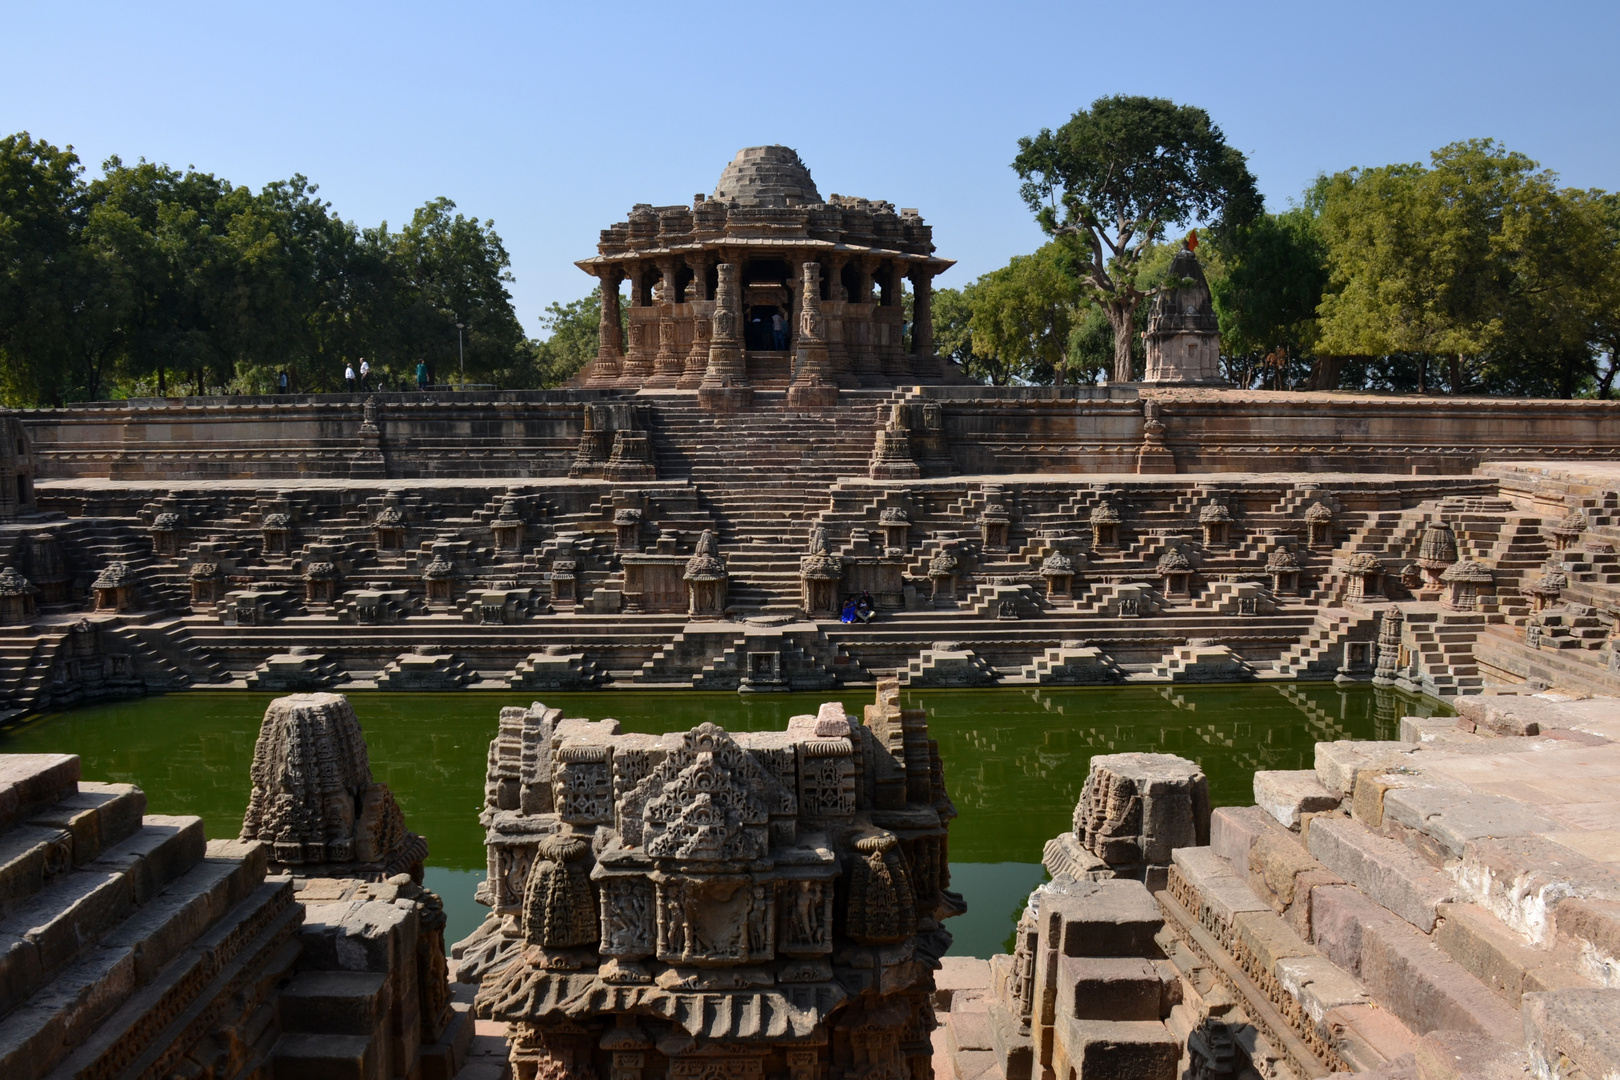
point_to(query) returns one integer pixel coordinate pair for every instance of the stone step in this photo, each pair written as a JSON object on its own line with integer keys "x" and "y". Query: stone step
{"x": 50, "y": 929}
{"x": 70, "y": 1014}
{"x": 1402, "y": 968}
{"x": 253, "y": 942}
{"x": 71, "y": 832}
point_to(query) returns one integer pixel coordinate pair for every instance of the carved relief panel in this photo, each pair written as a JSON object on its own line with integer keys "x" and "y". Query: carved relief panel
{"x": 509, "y": 871}
{"x": 629, "y": 930}
{"x": 805, "y": 917}
{"x": 716, "y": 921}
{"x": 716, "y": 1067}
{"x": 582, "y": 785}
{"x": 826, "y": 778}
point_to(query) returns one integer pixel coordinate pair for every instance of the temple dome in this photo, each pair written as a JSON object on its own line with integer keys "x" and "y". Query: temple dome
{"x": 767, "y": 176}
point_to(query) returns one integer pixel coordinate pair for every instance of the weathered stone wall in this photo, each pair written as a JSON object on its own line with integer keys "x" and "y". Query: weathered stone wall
{"x": 1083, "y": 429}
{"x": 983, "y": 431}
{"x": 475, "y": 434}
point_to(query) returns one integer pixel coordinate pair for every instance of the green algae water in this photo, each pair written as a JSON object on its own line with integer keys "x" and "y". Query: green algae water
{"x": 1015, "y": 759}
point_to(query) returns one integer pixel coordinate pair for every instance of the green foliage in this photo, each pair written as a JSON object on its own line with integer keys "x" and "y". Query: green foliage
{"x": 575, "y": 333}
{"x": 1112, "y": 180}
{"x": 953, "y": 332}
{"x": 42, "y": 273}
{"x": 1021, "y": 318}
{"x": 1267, "y": 277}
{"x": 1479, "y": 261}
{"x": 148, "y": 279}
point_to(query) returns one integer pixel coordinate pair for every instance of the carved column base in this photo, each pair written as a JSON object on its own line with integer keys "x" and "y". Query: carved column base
{"x": 604, "y": 370}
{"x": 812, "y": 395}
{"x": 667, "y": 371}
{"x": 692, "y": 376}
{"x": 725, "y": 398}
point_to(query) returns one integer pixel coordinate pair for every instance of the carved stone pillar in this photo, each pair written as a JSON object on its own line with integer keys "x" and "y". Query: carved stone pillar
{"x": 812, "y": 385}
{"x": 698, "y": 299}
{"x": 725, "y": 383}
{"x": 610, "y": 347}
{"x": 669, "y": 363}
{"x": 859, "y": 329}
{"x": 892, "y": 353}
{"x": 922, "y": 313}
{"x": 834, "y": 308}
{"x": 638, "y": 360}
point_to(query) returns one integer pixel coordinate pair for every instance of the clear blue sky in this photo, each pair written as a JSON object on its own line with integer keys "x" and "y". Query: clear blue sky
{"x": 554, "y": 119}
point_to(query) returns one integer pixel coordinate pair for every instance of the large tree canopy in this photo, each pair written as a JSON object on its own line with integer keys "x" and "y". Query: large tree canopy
{"x": 148, "y": 278}
{"x": 1478, "y": 260}
{"x": 1112, "y": 180}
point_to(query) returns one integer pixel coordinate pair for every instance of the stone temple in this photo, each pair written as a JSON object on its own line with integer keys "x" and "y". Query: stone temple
{"x": 708, "y": 281}
{"x": 775, "y": 439}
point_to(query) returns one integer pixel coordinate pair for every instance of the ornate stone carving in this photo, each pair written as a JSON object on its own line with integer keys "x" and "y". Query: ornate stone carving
{"x": 1135, "y": 808}
{"x": 559, "y": 906}
{"x": 705, "y": 578}
{"x": 314, "y": 801}
{"x": 745, "y": 891}
{"x": 882, "y": 905}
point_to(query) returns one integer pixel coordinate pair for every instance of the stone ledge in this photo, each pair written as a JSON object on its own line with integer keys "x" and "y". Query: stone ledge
{"x": 1573, "y": 1027}
{"x": 1383, "y": 869}
{"x": 1428, "y": 990}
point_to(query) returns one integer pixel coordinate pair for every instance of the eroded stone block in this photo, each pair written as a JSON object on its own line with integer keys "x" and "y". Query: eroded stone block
{"x": 1383, "y": 869}
{"x": 1565, "y": 1030}
{"x": 1285, "y": 795}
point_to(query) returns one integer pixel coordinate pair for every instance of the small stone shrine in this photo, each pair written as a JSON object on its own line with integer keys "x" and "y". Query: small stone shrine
{"x": 314, "y": 801}
{"x": 703, "y": 904}
{"x": 1183, "y": 337}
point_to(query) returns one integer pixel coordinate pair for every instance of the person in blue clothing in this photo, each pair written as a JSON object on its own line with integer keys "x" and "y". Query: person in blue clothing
{"x": 848, "y": 615}
{"x": 421, "y": 375}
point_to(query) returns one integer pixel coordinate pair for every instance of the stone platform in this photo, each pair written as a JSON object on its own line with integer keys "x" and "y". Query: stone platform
{"x": 1445, "y": 906}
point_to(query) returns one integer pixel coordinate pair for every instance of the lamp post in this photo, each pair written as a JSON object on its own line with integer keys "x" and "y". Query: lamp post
{"x": 462, "y": 354}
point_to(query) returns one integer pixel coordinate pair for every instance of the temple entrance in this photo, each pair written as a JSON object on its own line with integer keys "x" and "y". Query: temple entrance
{"x": 759, "y": 333}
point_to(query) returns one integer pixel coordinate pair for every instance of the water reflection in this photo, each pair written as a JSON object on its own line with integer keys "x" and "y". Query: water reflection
{"x": 1015, "y": 758}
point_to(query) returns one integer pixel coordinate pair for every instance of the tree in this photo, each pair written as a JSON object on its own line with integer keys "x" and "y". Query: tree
{"x": 41, "y": 272}
{"x": 1269, "y": 284}
{"x": 1480, "y": 260}
{"x": 1603, "y": 290}
{"x": 953, "y": 333}
{"x": 455, "y": 269}
{"x": 575, "y": 334}
{"x": 1021, "y": 318}
{"x": 1110, "y": 182}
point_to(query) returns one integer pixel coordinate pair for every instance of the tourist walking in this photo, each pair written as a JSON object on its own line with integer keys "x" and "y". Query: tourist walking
{"x": 365, "y": 374}
{"x": 778, "y": 332}
{"x": 348, "y": 376}
{"x": 282, "y": 382}
{"x": 421, "y": 374}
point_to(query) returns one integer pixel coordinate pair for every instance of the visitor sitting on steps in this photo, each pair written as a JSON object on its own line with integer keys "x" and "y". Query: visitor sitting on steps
{"x": 848, "y": 614}
{"x": 865, "y": 610}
